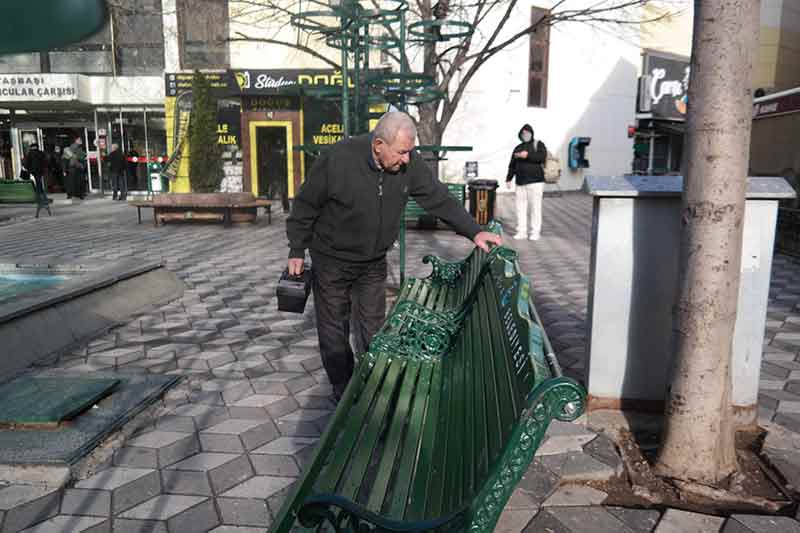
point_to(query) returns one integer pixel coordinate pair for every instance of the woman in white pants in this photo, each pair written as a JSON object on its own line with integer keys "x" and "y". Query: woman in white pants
{"x": 527, "y": 167}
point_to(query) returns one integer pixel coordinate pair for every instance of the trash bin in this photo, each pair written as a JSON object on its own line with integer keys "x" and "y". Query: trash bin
{"x": 482, "y": 194}
{"x": 158, "y": 182}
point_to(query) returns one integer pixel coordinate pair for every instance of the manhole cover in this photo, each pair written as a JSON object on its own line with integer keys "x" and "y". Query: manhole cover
{"x": 50, "y": 400}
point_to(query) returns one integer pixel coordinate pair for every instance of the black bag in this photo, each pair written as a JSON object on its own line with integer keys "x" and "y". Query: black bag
{"x": 24, "y": 174}
{"x": 293, "y": 291}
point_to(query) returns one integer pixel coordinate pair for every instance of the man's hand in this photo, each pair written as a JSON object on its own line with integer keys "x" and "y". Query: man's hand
{"x": 521, "y": 155}
{"x": 296, "y": 266}
{"x": 484, "y": 238}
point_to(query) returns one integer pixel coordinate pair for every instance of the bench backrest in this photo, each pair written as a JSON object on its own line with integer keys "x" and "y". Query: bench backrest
{"x": 17, "y": 191}
{"x": 413, "y": 209}
{"x": 204, "y": 199}
{"x": 497, "y": 360}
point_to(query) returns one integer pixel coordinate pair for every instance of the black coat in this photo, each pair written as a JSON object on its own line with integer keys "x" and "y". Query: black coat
{"x": 350, "y": 210}
{"x": 530, "y": 169}
{"x": 35, "y": 162}
{"x": 117, "y": 162}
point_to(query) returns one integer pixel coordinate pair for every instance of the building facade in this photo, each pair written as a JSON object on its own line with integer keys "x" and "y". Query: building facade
{"x": 108, "y": 89}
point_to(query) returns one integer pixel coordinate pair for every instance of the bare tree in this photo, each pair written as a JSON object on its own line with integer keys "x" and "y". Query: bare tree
{"x": 452, "y": 63}
{"x": 699, "y": 441}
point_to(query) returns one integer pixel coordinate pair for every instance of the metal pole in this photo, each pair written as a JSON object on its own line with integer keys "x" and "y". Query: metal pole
{"x": 343, "y": 22}
{"x": 88, "y": 159}
{"x": 147, "y": 156}
{"x": 652, "y": 153}
{"x": 99, "y": 158}
{"x": 403, "y": 107}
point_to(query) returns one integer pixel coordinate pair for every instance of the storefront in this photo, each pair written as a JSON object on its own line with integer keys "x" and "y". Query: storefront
{"x": 52, "y": 110}
{"x": 661, "y": 114}
{"x": 264, "y": 118}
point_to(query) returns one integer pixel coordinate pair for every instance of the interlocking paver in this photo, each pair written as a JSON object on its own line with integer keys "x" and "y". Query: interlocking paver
{"x": 128, "y": 486}
{"x": 286, "y": 445}
{"x": 677, "y": 521}
{"x": 224, "y": 469}
{"x": 250, "y": 433}
{"x": 157, "y": 449}
{"x": 228, "y": 316}
{"x": 179, "y": 513}
{"x": 72, "y": 524}
{"x": 90, "y": 502}
{"x": 259, "y": 487}
{"x": 26, "y": 505}
{"x": 244, "y": 511}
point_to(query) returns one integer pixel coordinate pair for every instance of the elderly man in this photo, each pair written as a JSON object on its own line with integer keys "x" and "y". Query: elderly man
{"x": 347, "y": 214}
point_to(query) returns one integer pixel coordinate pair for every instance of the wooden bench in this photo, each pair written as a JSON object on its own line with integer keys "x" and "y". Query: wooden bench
{"x": 417, "y": 217}
{"x": 23, "y": 192}
{"x": 442, "y": 417}
{"x": 224, "y": 207}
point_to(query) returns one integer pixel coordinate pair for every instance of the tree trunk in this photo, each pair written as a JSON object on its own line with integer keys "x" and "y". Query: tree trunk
{"x": 430, "y": 132}
{"x": 698, "y": 444}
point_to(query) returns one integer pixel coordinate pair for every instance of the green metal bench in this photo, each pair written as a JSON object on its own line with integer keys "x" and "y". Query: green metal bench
{"x": 417, "y": 217}
{"x": 442, "y": 417}
{"x": 22, "y": 192}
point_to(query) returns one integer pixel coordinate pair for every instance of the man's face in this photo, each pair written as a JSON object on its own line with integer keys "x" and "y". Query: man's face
{"x": 392, "y": 156}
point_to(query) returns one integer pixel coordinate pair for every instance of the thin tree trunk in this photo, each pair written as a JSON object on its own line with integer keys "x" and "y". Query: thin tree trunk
{"x": 698, "y": 444}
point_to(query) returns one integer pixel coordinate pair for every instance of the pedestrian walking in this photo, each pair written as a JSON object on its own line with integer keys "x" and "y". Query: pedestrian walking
{"x": 75, "y": 159}
{"x": 347, "y": 214}
{"x": 35, "y": 163}
{"x": 527, "y": 168}
{"x": 117, "y": 165}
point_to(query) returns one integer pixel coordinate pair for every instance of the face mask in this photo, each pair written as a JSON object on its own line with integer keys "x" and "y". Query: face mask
{"x": 526, "y": 137}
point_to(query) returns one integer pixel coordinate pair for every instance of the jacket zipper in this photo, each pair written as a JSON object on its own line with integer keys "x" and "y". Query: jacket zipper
{"x": 380, "y": 212}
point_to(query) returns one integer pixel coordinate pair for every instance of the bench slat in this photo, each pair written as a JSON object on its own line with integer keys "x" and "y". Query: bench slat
{"x": 494, "y": 427}
{"x": 425, "y": 465}
{"x": 411, "y": 453}
{"x": 375, "y": 423}
{"x": 506, "y": 383}
{"x": 444, "y": 443}
{"x": 352, "y": 429}
{"x": 392, "y": 450}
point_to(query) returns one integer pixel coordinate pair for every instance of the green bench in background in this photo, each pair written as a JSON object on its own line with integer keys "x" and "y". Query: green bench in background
{"x": 22, "y": 192}
{"x": 444, "y": 413}
{"x": 417, "y": 217}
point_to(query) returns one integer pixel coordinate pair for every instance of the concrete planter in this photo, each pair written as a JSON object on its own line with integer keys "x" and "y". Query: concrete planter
{"x": 633, "y": 282}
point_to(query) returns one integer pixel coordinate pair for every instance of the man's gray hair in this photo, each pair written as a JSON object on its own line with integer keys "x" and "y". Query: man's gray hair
{"x": 393, "y": 122}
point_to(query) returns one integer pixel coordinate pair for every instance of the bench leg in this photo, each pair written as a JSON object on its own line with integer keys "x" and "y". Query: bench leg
{"x": 139, "y": 214}
{"x": 155, "y": 217}
{"x": 269, "y": 214}
{"x": 227, "y": 217}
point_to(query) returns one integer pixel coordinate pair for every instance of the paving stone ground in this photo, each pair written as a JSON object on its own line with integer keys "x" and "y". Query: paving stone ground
{"x": 230, "y": 440}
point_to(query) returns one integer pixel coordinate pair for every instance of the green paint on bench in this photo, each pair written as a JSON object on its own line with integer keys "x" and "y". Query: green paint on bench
{"x": 445, "y": 411}
{"x": 22, "y": 192}
{"x": 416, "y": 216}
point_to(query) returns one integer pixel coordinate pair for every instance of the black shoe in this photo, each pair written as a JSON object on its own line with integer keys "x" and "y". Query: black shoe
{"x": 114, "y": 197}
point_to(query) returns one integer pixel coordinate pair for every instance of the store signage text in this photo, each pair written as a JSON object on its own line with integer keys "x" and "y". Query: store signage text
{"x": 330, "y": 133}
{"x": 38, "y": 87}
{"x": 226, "y": 137}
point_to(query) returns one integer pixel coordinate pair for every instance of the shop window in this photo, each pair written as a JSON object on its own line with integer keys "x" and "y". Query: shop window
{"x": 539, "y": 60}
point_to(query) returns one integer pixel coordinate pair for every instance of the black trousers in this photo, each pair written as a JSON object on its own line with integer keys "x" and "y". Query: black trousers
{"x": 119, "y": 184}
{"x": 346, "y": 293}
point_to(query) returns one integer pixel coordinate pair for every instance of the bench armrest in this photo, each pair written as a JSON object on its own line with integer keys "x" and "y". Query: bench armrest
{"x": 444, "y": 272}
{"x": 343, "y": 514}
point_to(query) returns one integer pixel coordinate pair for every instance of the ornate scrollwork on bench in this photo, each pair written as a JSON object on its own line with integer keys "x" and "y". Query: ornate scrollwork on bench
{"x": 415, "y": 331}
{"x": 559, "y": 398}
{"x": 444, "y": 272}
